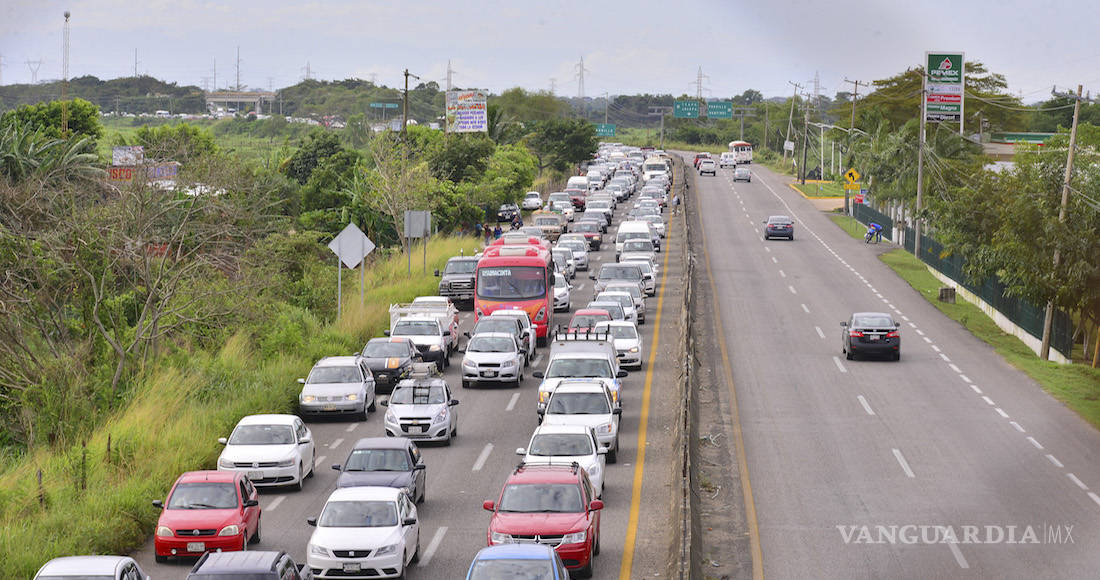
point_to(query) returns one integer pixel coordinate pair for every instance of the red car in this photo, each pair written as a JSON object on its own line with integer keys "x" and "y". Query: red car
{"x": 579, "y": 197}
{"x": 207, "y": 511}
{"x": 699, "y": 157}
{"x": 552, "y": 505}
{"x": 591, "y": 231}
{"x": 585, "y": 319}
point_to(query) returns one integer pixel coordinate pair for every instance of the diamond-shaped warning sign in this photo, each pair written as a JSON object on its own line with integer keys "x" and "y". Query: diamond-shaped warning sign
{"x": 852, "y": 175}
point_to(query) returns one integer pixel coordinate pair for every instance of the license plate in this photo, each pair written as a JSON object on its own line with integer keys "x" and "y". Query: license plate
{"x": 196, "y": 546}
{"x": 328, "y": 408}
{"x": 488, "y": 373}
{"x": 416, "y": 429}
{"x": 872, "y": 337}
{"x": 254, "y": 475}
{"x": 351, "y": 567}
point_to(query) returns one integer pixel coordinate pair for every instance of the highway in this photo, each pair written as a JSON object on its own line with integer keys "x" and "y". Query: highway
{"x": 493, "y": 423}
{"x": 949, "y": 436}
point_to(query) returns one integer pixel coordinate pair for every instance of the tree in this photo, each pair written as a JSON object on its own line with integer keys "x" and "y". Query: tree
{"x": 395, "y": 182}
{"x": 320, "y": 145}
{"x": 559, "y": 143}
{"x": 182, "y": 142}
{"x": 749, "y": 97}
{"x": 83, "y": 118}
{"x": 461, "y": 157}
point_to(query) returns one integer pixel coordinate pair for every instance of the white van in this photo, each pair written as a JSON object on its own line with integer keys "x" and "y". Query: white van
{"x": 653, "y": 166}
{"x": 595, "y": 179}
{"x": 632, "y": 230}
{"x": 727, "y": 160}
{"x": 577, "y": 182}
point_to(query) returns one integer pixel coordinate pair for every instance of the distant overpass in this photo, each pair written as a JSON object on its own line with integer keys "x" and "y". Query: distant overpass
{"x": 228, "y": 98}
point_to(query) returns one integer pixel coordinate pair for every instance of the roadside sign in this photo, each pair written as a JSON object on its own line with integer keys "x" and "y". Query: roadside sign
{"x": 852, "y": 175}
{"x": 351, "y": 245}
{"x": 851, "y": 185}
{"x": 467, "y": 111}
{"x": 788, "y": 145}
{"x": 605, "y": 130}
{"x": 944, "y": 85}
{"x": 418, "y": 224}
{"x": 384, "y": 105}
{"x": 685, "y": 109}
{"x": 720, "y": 109}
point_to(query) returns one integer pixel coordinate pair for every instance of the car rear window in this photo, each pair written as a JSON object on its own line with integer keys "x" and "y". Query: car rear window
{"x": 499, "y": 568}
{"x": 542, "y": 497}
{"x": 873, "y": 321}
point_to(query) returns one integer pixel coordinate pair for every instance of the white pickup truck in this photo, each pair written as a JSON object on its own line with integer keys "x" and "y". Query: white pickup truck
{"x": 427, "y": 308}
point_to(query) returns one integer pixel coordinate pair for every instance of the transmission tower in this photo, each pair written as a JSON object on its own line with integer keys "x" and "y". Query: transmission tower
{"x": 238, "y": 87}
{"x": 553, "y": 85}
{"x": 699, "y": 84}
{"x": 580, "y": 79}
{"x": 450, "y": 76}
{"x": 309, "y": 71}
{"x": 135, "y": 63}
{"x": 34, "y": 65}
{"x": 817, "y": 90}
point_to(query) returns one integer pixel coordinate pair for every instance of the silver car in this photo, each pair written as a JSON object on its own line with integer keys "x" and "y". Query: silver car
{"x": 338, "y": 385}
{"x": 422, "y": 409}
{"x": 493, "y": 357}
{"x": 635, "y": 292}
{"x": 624, "y": 299}
{"x": 638, "y": 250}
{"x": 649, "y": 275}
{"x": 80, "y": 567}
{"x": 579, "y": 250}
{"x": 564, "y": 258}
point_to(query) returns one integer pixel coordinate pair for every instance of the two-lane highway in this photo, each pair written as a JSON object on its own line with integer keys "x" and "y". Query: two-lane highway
{"x": 869, "y": 468}
{"x": 493, "y": 423}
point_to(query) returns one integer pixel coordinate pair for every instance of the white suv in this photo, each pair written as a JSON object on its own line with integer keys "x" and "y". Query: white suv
{"x": 588, "y": 405}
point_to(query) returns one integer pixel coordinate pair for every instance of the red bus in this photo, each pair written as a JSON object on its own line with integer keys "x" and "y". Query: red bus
{"x": 516, "y": 276}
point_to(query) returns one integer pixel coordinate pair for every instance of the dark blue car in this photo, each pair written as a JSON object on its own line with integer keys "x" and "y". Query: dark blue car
{"x": 527, "y": 561}
{"x": 384, "y": 462}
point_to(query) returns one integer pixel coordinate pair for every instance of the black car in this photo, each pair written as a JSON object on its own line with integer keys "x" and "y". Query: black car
{"x": 390, "y": 360}
{"x": 384, "y": 462}
{"x": 779, "y": 226}
{"x": 508, "y": 212}
{"x": 248, "y": 564}
{"x": 871, "y": 333}
{"x": 457, "y": 279}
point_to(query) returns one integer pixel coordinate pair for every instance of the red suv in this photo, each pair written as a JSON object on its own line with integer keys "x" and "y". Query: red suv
{"x": 552, "y": 505}
{"x": 207, "y": 511}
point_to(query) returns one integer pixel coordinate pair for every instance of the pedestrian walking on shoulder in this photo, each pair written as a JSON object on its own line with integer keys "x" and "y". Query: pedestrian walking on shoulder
{"x": 497, "y": 232}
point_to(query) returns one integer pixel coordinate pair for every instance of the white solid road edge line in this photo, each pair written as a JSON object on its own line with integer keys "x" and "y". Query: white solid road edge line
{"x": 959, "y": 559}
{"x": 433, "y": 545}
{"x": 512, "y": 402}
{"x": 839, "y": 365}
{"x": 866, "y": 406}
{"x": 481, "y": 459}
{"x": 904, "y": 464}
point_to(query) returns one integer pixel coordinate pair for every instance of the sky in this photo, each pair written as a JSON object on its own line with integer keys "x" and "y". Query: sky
{"x": 631, "y": 47}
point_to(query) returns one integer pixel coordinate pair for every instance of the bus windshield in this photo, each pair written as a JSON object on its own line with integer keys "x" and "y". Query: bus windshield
{"x": 511, "y": 283}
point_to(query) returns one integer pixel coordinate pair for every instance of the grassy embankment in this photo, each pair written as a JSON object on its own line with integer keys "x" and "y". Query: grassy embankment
{"x": 185, "y": 402}
{"x": 816, "y": 188}
{"x": 1076, "y": 385}
{"x": 244, "y": 145}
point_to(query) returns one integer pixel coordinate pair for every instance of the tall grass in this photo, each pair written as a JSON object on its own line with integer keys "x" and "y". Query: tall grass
{"x": 175, "y": 416}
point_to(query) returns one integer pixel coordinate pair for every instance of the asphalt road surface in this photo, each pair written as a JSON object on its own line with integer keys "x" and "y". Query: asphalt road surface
{"x": 949, "y": 436}
{"x": 493, "y": 422}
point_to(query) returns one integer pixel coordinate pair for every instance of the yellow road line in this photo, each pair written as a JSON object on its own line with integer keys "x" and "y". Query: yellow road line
{"x": 739, "y": 441}
{"x": 643, "y": 422}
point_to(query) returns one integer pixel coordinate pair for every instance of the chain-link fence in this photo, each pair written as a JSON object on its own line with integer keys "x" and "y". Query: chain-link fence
{"x": 865, "y": 214}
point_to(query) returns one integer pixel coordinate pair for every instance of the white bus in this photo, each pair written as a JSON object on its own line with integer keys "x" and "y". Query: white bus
{"x": 742, "y": 151}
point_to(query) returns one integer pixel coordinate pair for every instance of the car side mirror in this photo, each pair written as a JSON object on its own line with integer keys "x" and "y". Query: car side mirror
{"x": 596, "y": 505}
{"x": 223, "y": 440}
{"x": 384, "y": 403}
{"x": 621, "y": 374}
{"x": 419, "y": 467}
{"x": 844, "y": 324}
{"x": 462, "y": 351}
{"x": 538, "y": 375}
{"x": 251, "y": 503}
{"x": 409, "y": 522}
{"x": 385, "y": 333}
{"x": 523, "y": 351}
{"x": 452, "y": 402}
{"x": 591, "y": 276}
{"x": 446, "y": 333}
{"x": 158, "y": 504}
{"x": 301, "y": 381}
{"x": 312, "y": 521}
{"x": 337, "y": 467}
{"x": 521, "y": 451}
{"x": 466, "y": 334}
{"x": 489, "y": 505}
{"x": 617, "y": 411}
{"x": 304, "y": 440}
{"x": 601, "y": 451}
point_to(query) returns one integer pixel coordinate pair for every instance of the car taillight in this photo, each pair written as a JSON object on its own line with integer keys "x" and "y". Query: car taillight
{"x": 855, "y": 333}
{"x": 893, "y": 334}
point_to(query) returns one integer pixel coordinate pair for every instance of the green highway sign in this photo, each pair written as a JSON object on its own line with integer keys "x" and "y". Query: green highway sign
{"x": 720, "y": 109}
{"x": 384, "y": 105}
{"x": 685, "y": 109}
{"x": 605, "y": 130}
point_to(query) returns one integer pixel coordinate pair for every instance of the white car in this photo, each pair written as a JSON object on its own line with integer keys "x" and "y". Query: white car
{"x": 635, "y": 292}
{"x": 564, "y": 257}
{"x": 338, "y": 385}
{"x": 588, "y": 405}
{"x": 628, "y": 342}
{"x": 708, "y": 166}
{"x": 638, "y": 250}
{"x": 579, "y": 250}
{"x": 532, "y": 201}
{"x": 364, "y": 532}
{"x": 271, "y": 449}
{"x": 649, "y": 275}
{"x": 727, "y": 160}
{"x": 525, "y": 323}
{"x": 98, "y": 567}
{"x": 657, "y": 223}
{"x": 564, "y": 444}
{"x": 422, "y": 409}
{"x": 493, "y": 357}
{"x": 562, "y": 294}
{"x": 625, "y": 300}
{"x": 565, "y": 208}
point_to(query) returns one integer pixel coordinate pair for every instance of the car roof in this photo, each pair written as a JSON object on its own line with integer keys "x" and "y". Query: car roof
{"x": 418, "y": 318}
{"x": 589, "y": 311}
{"x": 208, "y": 475}
{"x": 84, "y": 565}
{"x": 365, "y": 493}
{"x": 516, "y": 552}
{"x": 270, "y": 419}
{"x": 779, "y": 217}
{"x": 337, "y": 361}
{"x": 495, "y": 335}
{"x": 869, "y": 314}
{"x": 246, "y": 561}
{"x": 382, "y": 443}
{"x": 390, "y": 339}
{"x": 539, "y": 473}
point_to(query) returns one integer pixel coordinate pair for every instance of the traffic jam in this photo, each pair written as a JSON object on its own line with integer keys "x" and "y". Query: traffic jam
{"x": 553, "y": 306}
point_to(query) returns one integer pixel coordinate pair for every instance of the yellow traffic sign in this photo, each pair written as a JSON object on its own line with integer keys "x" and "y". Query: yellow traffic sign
{"x": 852, "y": 175}
{"x": 850, "y": 185}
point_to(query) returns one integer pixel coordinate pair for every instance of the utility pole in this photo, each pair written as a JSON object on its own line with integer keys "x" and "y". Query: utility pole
{"x": 65, "y": 78}
{"x": 215, "y": 74}
{"x": 790, "y": 118}
{"x": 851, "y": 129}
{"x": 767, "y": 118}
{"x": 136, "y": 61}
{"x": 238, "y": 87}
{"x": 405, "y": 115}
{"x": 920, "y": 165}
{"x": 606, "y": 98}
{"x": 805, "y": 141}
{"x": 661, "y": 111}
{"x": 1048, "y": 318}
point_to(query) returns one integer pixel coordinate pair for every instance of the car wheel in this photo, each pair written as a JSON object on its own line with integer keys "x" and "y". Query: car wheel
{"x": 416, "y": 554}
{"x": 256, "y": 535}
{"x": 849, "y": 355}
{"x": 586, "y": 572}
{"x": 373, "y": 404}
{"x": 301, "y": 478}
{"x": 312, "y": 466}
{"x": 440, "y": 365}
{"x": 613, "y": 453}
{"x": 423, "y": 492}
{"x": 160, "y": 559}
{"x": 897, "y": 356}
{"x": 465, "y": 384}
{"x": 244, "y": 543}
{"x": 766, "y": 237}
{"x": 519, "y": 381}
{"x": 596, "y": 548}
{"x": 362, "y": 416}
{"x": 447, "y": 441}
{"x": 791, "y": 238}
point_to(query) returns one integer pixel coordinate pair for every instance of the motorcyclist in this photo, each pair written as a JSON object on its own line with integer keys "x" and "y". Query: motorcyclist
{"x": 874, "y": 230}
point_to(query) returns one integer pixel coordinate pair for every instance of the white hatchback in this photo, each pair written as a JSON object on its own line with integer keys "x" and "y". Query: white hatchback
{"x": 364, "y": 532}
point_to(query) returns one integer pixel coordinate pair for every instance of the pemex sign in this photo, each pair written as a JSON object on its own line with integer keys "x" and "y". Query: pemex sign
{"x": 944, "y": 86}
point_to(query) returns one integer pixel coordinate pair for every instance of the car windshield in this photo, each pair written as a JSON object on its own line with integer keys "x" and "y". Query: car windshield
{"x": 613, "y": 308}
{"x": 578, "y": 404}
{"x": 325, "y": 375}
{"x": 358, "y": 514}
{"x": 494, "y": 325}
{"x": 579, "y": 368}
{"x": 559, "y": 281}
{"x": 417, "y": 395}
{"x": 633, "y": 290}
{"x": 262, "y": 435}
{"x": 618, "y": 330}
{"x": 546, "y": 221}
{"x": 873, "y": 321}
{"x": 461, "y": 267}
{"x": 587, "y": 320}
{"x": 620, "y": 272}
{"x": 599, "y": 204}
{"x": 491, "y": 344}
{"x": 511, "y": 282}
{"x": 638, "y": 246}
{"x": 562, "y": 256}
{"x": 627, "y": 236}
{"x": 415, "y": 328}
{"x": 645, "y": 267}
{"x": 508, "y": 569}
{"x": 378, "y": 460}
{"x": 586, "y": 227}
{"x": 560, "y": 444}
{"x": 575, "y": 247}
{"x": 655, "y": 167}
{"x": 204, "y": 496}
{"x": 542, "y": 498}
{"x": 506, "y": 207}
{"x": 623, "y": 300}
{"x": 385, "y": 349}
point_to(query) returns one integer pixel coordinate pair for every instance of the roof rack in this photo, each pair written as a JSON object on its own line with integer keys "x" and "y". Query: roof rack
{"x": 566, "y": 336}
{"x": 573, "y": 465}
